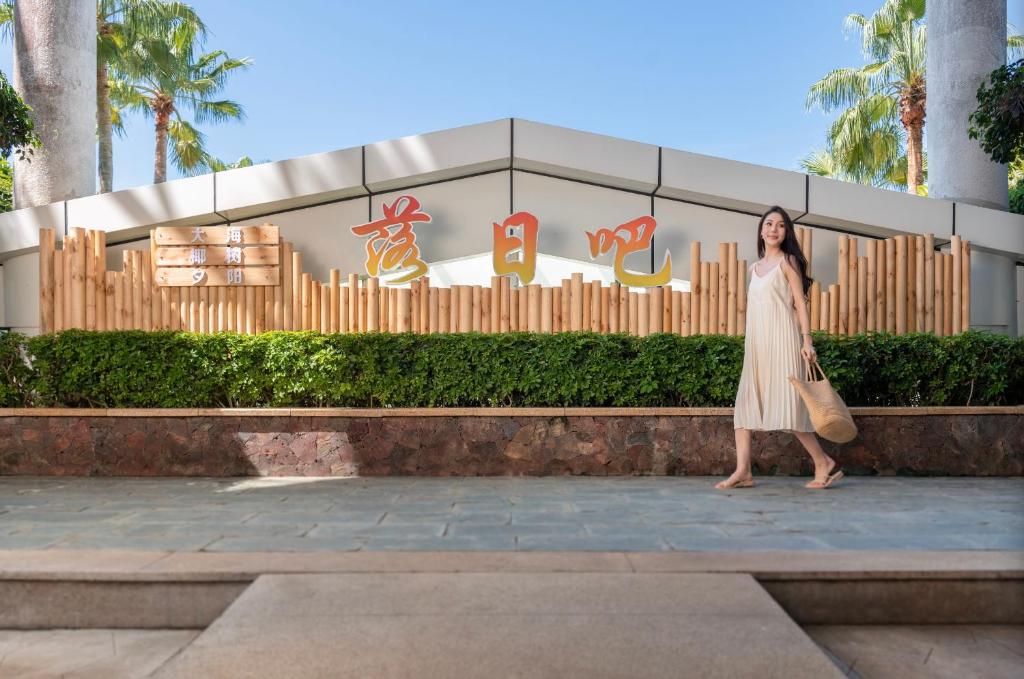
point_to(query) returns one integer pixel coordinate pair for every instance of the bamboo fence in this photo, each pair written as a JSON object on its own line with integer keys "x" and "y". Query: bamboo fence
{"x": 899, "y": 285}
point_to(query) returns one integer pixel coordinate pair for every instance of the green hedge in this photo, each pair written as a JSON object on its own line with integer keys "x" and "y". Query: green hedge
{"x": 166, "y": 369}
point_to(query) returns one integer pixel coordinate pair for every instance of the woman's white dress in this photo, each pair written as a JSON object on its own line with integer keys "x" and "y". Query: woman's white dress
{"x": 766, "y": 400}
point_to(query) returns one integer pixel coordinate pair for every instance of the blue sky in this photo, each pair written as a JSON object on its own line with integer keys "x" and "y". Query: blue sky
{"x": 724, "y": 79}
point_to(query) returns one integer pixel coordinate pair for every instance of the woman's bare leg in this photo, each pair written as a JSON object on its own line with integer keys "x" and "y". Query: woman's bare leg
{"x": 742, "y": 459}
{"x": 822, "y": 462}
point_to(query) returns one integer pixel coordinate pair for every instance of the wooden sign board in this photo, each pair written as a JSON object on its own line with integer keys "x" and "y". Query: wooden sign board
{"x": 218, "y": 235}
{"x": 217, "y": 255}
{"x": 218, "y": 276}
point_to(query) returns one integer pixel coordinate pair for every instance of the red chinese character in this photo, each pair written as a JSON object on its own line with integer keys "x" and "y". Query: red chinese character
{"x": 633, "y": 236}
{"x": 392, "y": 249}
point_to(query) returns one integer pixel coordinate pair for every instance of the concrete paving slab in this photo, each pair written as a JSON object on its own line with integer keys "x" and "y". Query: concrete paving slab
{"x": 591, "y": 625}
{"x": 925, "y": 651}
{"x": 88, "y": 654}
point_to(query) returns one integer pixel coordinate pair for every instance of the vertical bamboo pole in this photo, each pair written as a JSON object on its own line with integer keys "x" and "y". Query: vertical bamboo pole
{"x": 433, "y": 310}
{"x": 870, "y": 300}
{"x": 956, "y": 250}
{"x": 230, "y": 315}
{"x": 613, "y": 307}
{"x": 145, "y": 304}
{"x": 543, "y": 319}
{"x": 424, "y": 305}
{"x": 815, "y": 294}
{"x": 78, "y": 259}
{"x": 477, "y": 308}
{"x": 623, "y": 308}
{"x": 47, "y": 247}
{"x": 606, "y": 294}
{"x": 677, "y": 313}
{"x": 66, "y": 258}
{"x": 352, "y": 291}
{"x": 556, "y": 309}
{"x": 633, "y": 313}
{"x": 901, "y": 284}
{"x": 854, "y": 315}
{"x": 948, "y": 289}
{"x": 862, "y": 293}
{"x": 305, "y": 304}
{"x": 695, "y": 287}
{"x": 643, "y": 301}
{"x": 388, "y": 311}
{"x": 100, "y": 253}
{"x": 533, "y": 306}
{"x": 248, "y": 309}
{"x": 920, "y": 289}
{"x": 414, "y": 306}
{"x": 843, "y": 283}
{"x": 566, "y": 305}
{"x": 444, "y": 301}
{"x": 373, "y": 304}
{"x": 59, "y": 259}
{"x": 721, "y": 286}
{"x": 240, "y": 294}
{"x": 90, "y": 280}
{"x": 465, "y": 309}
{"x": 403, "y": 310}
{"x": 911, "y": 282}
{"x": 120, "y": 320}
{"x": 685, "y": 326}
{"x": 741, "y": 297}
{"x": 824, "y": 303}
{"x": 594, "y": 306}
{"x": 666, "y": 309}
{"x": 524, "y": 311}
{"x": 714, "y": 276}
{"x": 587, "y": 306}
{"x": 287, "y": 315}
{"x": 505, "y": 305}
{"x": 705, "y": 298}
{"x": 929, "y": 282}
{"x": 576, "y": 302}
{"x": 833, "y": 309}
{"x": 965, "y": 286}
{"x": 109, "y": 293}
{"x": 937, "y": 306}
{"x": 654, "y": 321}
{"x": 334, "y": 295}
{"x": 485, "y": 309}
{"x": 204, "y": 309}
{"x": 138, "y": 289}
{"x": 326, "y": 308}
{"x": 495, "y": 295}
{"x": 296, "y": 292}
{"x": 730, "y": 326}
{"x": 881, "y": 278}
{"x": 890, "y": 284}
{"x": 174, "y": 298}
{"x": 127, "y": 288}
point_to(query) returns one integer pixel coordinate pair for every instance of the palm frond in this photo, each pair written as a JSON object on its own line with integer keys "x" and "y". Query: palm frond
{"x": 187, "y": 150}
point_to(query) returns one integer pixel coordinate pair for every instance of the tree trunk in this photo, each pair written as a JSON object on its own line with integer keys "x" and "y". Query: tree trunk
{"x": 104, "y": 128}
{"x": 163, "y": 116}
{"x": 912, "y": 113}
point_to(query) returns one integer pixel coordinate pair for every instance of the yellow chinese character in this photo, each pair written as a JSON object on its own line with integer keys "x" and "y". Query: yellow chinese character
{"x": 517, "y": 236}
{"x": 633, "y": 236}
{"x": 389, "y": 250}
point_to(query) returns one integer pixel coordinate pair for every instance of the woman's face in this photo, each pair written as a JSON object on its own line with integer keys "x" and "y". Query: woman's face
{"x": 773, "y": 230}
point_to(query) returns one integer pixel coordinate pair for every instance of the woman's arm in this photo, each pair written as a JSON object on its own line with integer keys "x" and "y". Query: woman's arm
{"x": 795, "y": 285}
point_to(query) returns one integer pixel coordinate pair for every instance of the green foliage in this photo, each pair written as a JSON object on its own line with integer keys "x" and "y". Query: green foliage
{"x": 999, "y": 119}
{"x": 17, "y": 130}
{"x": 294, "y": 369}
{"x": 15, "y": 373}
{"x": 6, "y": 186}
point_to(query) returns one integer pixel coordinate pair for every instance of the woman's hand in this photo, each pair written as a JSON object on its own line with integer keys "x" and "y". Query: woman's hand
{"x": 808, "y": 351}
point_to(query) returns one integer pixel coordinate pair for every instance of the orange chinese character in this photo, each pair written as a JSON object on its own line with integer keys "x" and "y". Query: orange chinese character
{"x": 389, "y": 250}
{"x": 633, "y": 236}
{"x": 517, "y": 235}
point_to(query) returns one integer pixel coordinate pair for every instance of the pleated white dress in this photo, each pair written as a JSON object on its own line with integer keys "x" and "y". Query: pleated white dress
{"x": 766, "y": 400}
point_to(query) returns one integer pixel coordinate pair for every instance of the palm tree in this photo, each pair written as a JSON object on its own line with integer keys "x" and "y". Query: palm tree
{"x": 884, "y": 101}
{"x": 159, "y": 77}
{"x": 120, "y": 24}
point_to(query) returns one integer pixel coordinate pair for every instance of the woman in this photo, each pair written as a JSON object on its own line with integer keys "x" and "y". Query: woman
{"x": 777, "y": 318}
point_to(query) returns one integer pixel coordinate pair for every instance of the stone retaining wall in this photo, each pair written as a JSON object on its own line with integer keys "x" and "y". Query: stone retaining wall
{"x": 489, "y": 441}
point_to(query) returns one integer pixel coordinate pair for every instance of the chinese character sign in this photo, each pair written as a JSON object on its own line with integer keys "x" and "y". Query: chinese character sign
{"x": 516, "y": 237}
{"x": 392, "y": 242}
{"x": 633, "y": 236}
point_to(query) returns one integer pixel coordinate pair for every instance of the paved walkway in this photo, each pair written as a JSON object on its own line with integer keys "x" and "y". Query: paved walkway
{"x": 551, "y": 513}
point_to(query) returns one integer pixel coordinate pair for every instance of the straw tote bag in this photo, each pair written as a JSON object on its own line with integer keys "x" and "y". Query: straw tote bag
{"x": 829, "y": 414}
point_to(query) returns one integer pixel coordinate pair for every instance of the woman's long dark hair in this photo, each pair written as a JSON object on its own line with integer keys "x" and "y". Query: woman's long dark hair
{"x": 790, "y": 245}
